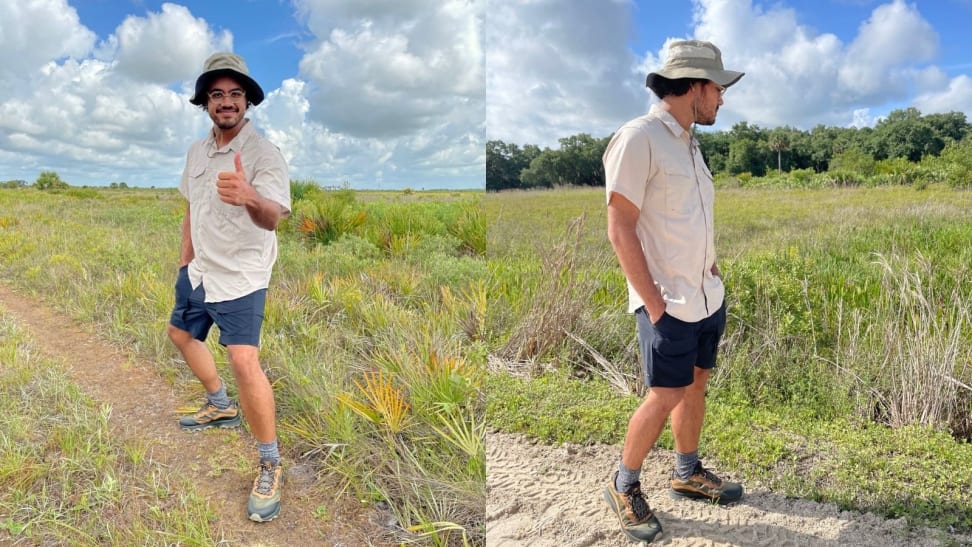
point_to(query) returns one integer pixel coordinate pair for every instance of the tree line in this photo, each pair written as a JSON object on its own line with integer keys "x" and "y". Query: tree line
{"x": 50, "y": 180}
{"x": 904, "y": 134}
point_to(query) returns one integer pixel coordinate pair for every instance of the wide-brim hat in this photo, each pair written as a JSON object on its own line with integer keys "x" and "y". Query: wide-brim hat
{"x": 695, "y": 59}
{"x": 229, "y": 65}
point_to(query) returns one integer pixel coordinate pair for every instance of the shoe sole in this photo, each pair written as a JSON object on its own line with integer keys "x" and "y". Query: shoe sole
{"x": 610, "y": 501}
{"x": 676, "y": 495}
{"x": 255, "y": 517}
{"x": 221, "y": 425}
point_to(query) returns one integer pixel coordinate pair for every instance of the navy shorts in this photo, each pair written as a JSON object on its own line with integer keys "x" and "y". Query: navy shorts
{"x": 672, "y": 348}
{"x": 239, "y": 320}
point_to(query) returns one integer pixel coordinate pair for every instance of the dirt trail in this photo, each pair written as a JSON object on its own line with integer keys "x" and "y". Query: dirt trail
{"x": 144, "y": 407}
{"x": 551, "y": 496}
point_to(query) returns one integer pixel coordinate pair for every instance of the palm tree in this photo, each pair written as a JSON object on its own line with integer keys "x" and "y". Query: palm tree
{"x": 779, "y": 140}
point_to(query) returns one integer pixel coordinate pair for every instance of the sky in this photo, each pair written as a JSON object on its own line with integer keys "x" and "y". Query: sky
{"x": 391, "y": 94}
{"x": 554, "y": 71}
{"x": 378, "y": 94}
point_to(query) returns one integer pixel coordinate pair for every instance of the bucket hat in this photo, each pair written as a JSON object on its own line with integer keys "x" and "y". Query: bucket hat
{"x": 695, "y": 59}
{"x": 230, "y": 65}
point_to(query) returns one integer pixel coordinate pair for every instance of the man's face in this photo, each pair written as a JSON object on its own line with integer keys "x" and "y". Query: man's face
{"x": 708, "y": 99}
{"x": 224, "y": 109}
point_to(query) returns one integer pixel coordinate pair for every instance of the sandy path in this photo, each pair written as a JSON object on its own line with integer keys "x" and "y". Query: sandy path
{"x": 551, "y": 496}
{"x": 144, "y": 407}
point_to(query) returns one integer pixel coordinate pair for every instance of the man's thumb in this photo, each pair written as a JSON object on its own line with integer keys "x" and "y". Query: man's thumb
{"x": 239, "y": 163}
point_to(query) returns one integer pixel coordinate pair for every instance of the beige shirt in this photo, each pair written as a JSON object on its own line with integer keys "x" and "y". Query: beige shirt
{"x": 656, "y": 164}
{"x": 233, "y": 256}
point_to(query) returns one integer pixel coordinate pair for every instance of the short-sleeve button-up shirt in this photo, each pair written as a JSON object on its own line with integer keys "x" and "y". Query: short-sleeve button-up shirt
{"x": 656, "y": 164}
{"x": 233, "y": 256}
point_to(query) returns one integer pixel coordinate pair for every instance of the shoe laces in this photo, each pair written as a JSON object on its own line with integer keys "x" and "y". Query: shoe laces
{"x": 706, "y": 474}
{"x": 205, "y": 408}
{"x": 637, "y": 503}
{"x": 264, "y": 482}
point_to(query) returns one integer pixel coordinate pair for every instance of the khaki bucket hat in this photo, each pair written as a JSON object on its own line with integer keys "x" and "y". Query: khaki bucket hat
{"x": 695, "y": 59}
{"x": 230, "y": 65}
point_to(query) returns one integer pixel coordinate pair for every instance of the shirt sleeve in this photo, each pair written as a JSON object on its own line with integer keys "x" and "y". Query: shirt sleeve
{"x": 184, "y": 181}
{"x": 627, "y": 165}
{"x": 272, "y": 178}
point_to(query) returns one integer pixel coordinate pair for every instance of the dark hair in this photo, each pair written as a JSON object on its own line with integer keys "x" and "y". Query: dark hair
{"x": 663, "y": 87}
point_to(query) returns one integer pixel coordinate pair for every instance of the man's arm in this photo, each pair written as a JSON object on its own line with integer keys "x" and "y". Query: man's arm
{"x": 622, "y": 231}
{"x": 186, "y": 252}
{"x": 235, "y": 189}
{"x": 264, "y": 212}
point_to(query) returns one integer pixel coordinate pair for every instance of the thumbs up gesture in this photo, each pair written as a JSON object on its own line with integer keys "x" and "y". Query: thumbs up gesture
{"x": 232, "y": 186}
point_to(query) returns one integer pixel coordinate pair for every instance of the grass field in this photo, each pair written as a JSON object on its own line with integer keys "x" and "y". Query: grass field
{"x": 844, "y": 372}
{"x": 373, "y": 335}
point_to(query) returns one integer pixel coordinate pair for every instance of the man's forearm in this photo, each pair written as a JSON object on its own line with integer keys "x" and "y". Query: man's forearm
{"x": 633, "y": 263}
{"x": 264, "y": 212}
{"x": 186, "y": 252}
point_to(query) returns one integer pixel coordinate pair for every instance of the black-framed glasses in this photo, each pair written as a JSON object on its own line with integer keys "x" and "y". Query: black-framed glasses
{"x": 220, "y": 95}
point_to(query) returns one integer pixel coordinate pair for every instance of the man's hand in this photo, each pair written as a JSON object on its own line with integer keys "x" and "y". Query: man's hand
{"x": 232, "y": 186}
{"x": 655, "y": 311}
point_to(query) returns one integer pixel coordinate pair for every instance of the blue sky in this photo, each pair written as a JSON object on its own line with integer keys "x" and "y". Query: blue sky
{"x": 379, "y": 94}
{"x": 554, "y": 72}
{"x": 405, "y": 93}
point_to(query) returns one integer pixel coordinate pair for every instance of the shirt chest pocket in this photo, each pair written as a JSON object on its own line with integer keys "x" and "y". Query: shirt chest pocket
{"x": 681, "y": 191}
{"x": 199, "y": 183}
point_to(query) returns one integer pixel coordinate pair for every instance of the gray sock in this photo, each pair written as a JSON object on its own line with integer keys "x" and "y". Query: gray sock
{"x": 626, "y": 477}
{"x": 685, "y": 464}
{"x": 218, "y": 398}
{"x": 269, "y": 451}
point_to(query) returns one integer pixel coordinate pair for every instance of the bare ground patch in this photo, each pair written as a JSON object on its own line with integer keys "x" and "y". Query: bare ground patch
{"x": 542, "y": 495}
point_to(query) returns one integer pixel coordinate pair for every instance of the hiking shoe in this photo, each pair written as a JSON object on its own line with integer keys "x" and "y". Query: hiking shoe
{"x": 638, "y": 521}
{"x": 264, "y": 504}
{"x": 210, "y": 416}
{"x": 705, "y": 484}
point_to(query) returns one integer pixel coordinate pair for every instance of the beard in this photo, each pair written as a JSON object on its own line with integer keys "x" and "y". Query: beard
{"x": 701, "y": 116}
{"x": 223, "y": 122}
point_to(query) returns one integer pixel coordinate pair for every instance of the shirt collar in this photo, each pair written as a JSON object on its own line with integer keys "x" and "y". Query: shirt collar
{"x": 666, "y": 117}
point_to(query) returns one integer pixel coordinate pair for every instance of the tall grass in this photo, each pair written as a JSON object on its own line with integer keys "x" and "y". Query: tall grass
{"x": 397, "y": 297}
{"x": 804, "y": 294}
{"x": 924, "y": 334}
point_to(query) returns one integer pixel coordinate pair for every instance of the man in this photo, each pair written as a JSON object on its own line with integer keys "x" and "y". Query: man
{"x": 660, "y": 197}
{"x": 238, "y": 189}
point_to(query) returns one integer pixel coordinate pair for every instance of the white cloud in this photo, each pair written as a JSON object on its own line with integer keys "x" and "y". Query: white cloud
{"x": 165, "y": 47}
{"x": 875, "y": 59}
{"x": 795, "y": 76}
{"x": 33, "y": 33}
{"x": 391, "y": 68}
{"x": 119, "y": 111}
{"x": 956, "y": 96}
{"x": 556, "y": 69}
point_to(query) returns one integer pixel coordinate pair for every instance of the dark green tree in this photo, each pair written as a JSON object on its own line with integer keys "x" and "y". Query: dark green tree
{"x": 505, "y": 162}
{"x": 745, "y": 156}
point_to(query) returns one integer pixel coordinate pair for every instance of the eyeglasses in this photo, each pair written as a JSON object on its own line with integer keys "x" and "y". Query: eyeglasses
{"x": 234, "y": 95}
{"x": 720, "y": 89}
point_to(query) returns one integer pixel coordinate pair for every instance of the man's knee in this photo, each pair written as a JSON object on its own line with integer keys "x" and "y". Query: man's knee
{"x": 665, "y": 398}
{"x": 178, "y": 336}
{"x": 245, "y": 361}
